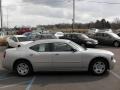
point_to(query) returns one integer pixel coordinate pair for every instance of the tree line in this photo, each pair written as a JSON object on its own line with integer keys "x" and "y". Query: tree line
{"x": 99, "y": 24}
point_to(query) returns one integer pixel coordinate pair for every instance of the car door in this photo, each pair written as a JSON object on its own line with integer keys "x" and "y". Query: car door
{"x": 107, "y": 39}
{"x": 74, "y": 38}
{"x": 41, "y": 57}
{"x": 65, "y": 57}
{"x": 99, "y": 37}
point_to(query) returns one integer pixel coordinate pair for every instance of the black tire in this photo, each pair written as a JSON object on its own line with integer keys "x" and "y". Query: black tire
{"x": 116, "y": 44}
{"x": 26, "y": 65}
{"x": 101, "y": 69}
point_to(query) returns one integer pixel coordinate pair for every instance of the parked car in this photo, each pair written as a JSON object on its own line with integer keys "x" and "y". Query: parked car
{"x": 38, "y": 36}
{"x": 106, "y": 30}
{"x": 27, "y": 33}
{"x": 2, "y": 38}
{"x": 57, "y": 55}
{"x": 17, "y": 41}
{"x": 107, "y": 38}
{"x": 93, "y": 31}
{"x": 118, "y": 34}
{"x": 44, "y": 36}
{"x": 23, "y": 30}
{"x": 80, "y": 39}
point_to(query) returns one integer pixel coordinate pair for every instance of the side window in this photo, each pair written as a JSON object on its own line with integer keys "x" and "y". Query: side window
{"x": 97, "y": 35}
{"x": 74, "y": 36}
{"x": 61, "y": 47}
{"x": 14, "y": 39}
{"x": 106, "y": 35}
{"x": 68, "y": 36}
{"x": 41, "y": 47}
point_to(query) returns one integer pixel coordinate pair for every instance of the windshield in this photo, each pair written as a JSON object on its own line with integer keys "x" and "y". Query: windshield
{"x": 23, "y": 39}
{"x": 80, "y": 48}
{"x": 114, "y": 35}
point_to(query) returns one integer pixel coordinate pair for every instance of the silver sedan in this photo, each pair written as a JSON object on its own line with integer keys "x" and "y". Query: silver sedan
{"x": 57, "y": 55}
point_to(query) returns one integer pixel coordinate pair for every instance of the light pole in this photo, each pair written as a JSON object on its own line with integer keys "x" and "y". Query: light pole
{"x": 73, "y": 20}
{"x": 7, "y": 18}
{"x": 1, "y": 14}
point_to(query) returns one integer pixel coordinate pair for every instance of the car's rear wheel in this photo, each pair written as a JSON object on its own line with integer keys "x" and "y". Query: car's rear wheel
{"x": 23, "y": 68}
{"x": 98, "y": 67}
{"x": 116, "y": 44}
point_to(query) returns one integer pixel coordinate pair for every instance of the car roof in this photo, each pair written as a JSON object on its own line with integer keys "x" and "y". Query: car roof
{"x": 19, "y": 35}
{"x": 51, "y": 40}
{"x": 105, "y": 32}
{"x": 73, "y": 33}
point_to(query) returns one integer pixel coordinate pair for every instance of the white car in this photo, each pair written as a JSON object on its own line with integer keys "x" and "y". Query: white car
{"x": 17, "y": 41}
{"x": 57, "y": 55}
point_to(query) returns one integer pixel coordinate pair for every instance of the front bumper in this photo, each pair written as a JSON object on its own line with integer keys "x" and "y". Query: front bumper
{"x": 112, "y": 64}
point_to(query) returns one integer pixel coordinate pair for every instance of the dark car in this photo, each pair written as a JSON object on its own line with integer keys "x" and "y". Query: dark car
{"x": 44, "y": 36}
{"x": 108, "y": 38}
{"x": 118, "y": 34}
{"x": 37, "y": 36}
{"x": 80, "y": 39}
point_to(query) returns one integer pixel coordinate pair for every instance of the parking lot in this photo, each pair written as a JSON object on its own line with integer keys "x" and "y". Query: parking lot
{"x": 63, "y": 80}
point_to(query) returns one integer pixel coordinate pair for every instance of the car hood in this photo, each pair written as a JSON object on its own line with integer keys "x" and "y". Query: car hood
{"x": 26, "y": 42}
{"x": 99, "y": 51}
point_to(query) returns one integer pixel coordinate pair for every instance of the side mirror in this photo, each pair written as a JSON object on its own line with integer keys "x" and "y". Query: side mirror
{"x": 73, "y": 50}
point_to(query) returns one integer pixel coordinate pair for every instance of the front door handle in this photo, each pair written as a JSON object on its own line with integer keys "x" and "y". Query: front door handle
{"x": 31, "y": 54}
{"x": 56, "y": 54}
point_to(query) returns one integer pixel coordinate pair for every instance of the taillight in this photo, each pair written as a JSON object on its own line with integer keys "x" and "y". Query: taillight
{"x": 4, "y": 54}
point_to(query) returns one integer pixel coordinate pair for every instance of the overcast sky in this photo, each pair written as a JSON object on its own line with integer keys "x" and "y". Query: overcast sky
{"x": 35, "y": 12}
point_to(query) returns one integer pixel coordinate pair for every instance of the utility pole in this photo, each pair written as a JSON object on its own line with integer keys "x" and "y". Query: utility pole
{"x": 1, "y": 14}
{"x": 73, "y": 20}
{"x": 7, "y": 18}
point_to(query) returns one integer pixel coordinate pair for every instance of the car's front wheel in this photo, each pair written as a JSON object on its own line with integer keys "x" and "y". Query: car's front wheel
{"x": 98, "y": 67}
{"x": 23, "y": 68}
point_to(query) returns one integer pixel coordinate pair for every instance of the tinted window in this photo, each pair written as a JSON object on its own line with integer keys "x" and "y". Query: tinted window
{"x": 74, "y": 36}
{"x": 22, "y": 39}
{"x": 106, "y": 35}
{"x": 41, "y": 47}
{"x": 83, "y": 36}
{"x": 99, "y": 34}
{"x": 59, "y": 47}
{"x": 68, "y": 36}
{"x": 14, "y": 39}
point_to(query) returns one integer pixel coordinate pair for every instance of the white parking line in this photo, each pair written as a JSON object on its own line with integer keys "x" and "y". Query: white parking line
{"x": 4, "y": 78}
{"x": 116, "y": 75}
{"x": 14, "y": 84}
{"x": 30, "y": 83}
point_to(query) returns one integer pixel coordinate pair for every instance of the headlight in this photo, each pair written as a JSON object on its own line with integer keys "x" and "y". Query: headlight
{"x": 88, "y": 42}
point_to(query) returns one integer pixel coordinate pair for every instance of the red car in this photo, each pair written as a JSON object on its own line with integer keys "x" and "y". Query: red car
{"x": 23, "y": 30}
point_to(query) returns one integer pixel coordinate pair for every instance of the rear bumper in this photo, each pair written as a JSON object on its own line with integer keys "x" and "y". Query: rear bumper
{"x": 6, "y": 65}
